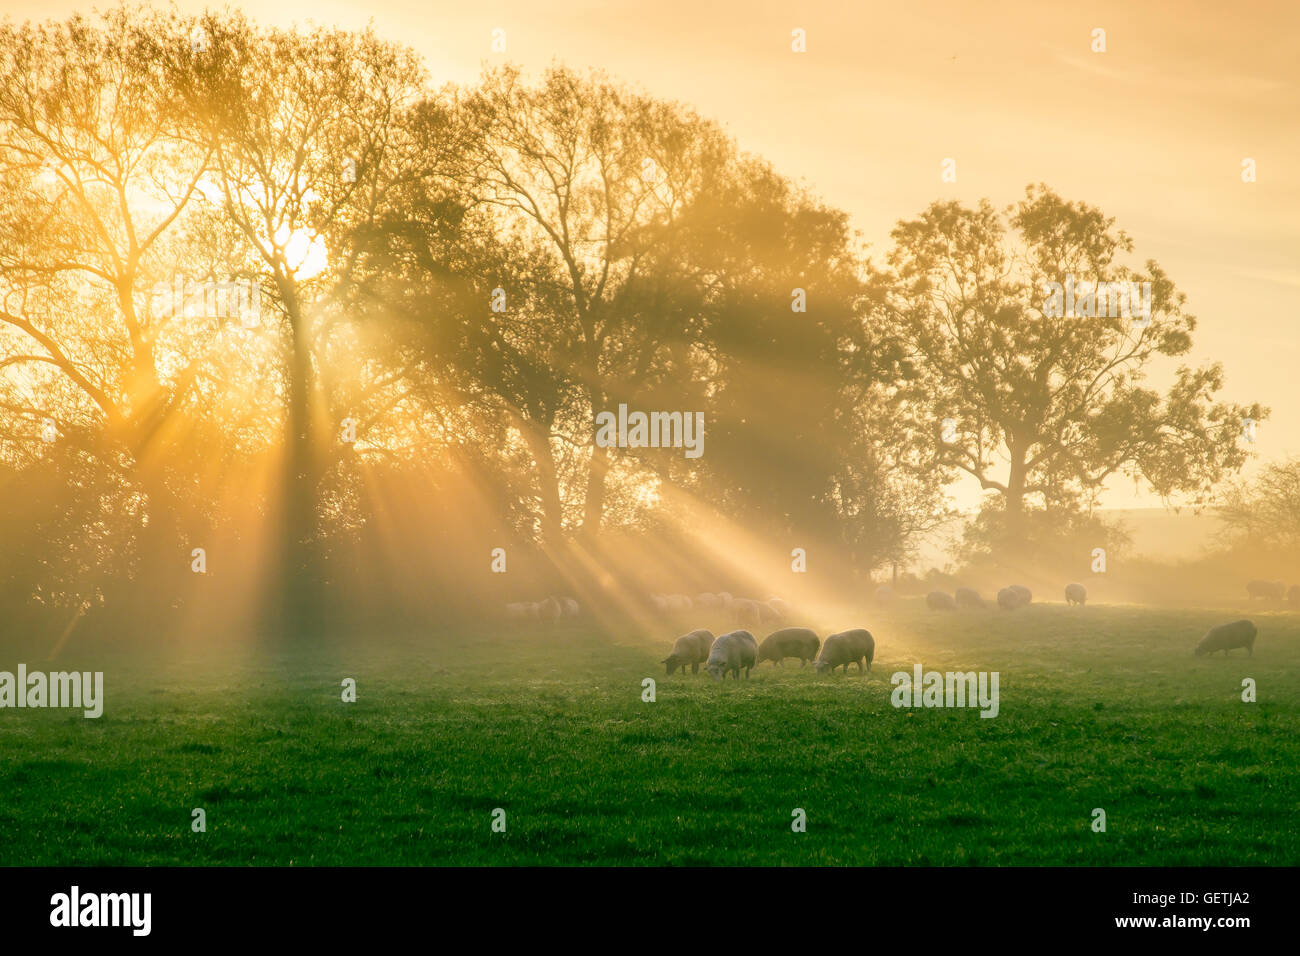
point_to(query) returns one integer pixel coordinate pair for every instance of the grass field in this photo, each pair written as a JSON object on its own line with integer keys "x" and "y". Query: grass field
{"x": 1100, "y": 707}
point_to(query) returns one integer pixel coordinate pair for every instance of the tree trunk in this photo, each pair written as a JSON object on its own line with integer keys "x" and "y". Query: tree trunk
{"x": 1015, "y": 502}
{"x": 301, "y": 590}
{"x": 593, "y": 508}
{"x": 537, "y": 436}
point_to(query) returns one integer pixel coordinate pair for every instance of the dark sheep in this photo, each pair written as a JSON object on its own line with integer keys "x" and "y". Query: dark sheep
{"x": 940, "y": 601}
{"x": 1227, "y": 636}
{"x": 1268, "y": 590}
{"x": 968, "y": 597}
{"x": 1009, "y": 599}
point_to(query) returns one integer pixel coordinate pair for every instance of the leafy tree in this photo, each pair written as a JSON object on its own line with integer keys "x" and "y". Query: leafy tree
{"x": 1044, "y": 408}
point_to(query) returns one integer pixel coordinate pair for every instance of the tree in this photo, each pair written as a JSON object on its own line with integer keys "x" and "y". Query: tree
{"x": 95, "y": 176}
{"x": 587, "y": 182}
{"x": 307, "y": 133}
{"x": 1043, "y": 404}
{"x": 1266, "y": 510}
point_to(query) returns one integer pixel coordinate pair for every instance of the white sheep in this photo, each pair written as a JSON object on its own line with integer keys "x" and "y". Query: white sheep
{"x": 521, "y": 611}
{"x": 733, "y": 652}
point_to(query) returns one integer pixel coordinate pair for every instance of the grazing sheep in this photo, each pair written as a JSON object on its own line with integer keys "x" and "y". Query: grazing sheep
{"x": 745, "y": 611}
{"x": 521, "y": 611}
{"x": 707, "y": 599}
{"x": 680, "y": 602}
{"x": 781, "y": 607}
{"x": 1269, "y": 590}
{"x": 968, "y": 597}
{"x": 1293, "y": 596}
{"x": 800, "y": 642}
{"x": 1008, "y": 599}
{"x": 884, "y": 594}
{"x": 570, "y": 607}
{"x": 549, "y": 609}
{"x": 940, "y": 601}
{"x": 1025, "y": 595}
{"x": 1227, "y": 636}
{"x": 845, "y": 648}
{"x": 1076, "y": 594}
{"x": 692, "y": 648}
{"x": 768, "y": 614}
{"x": 731, "y": 652}
{"x": 726, "y": 599}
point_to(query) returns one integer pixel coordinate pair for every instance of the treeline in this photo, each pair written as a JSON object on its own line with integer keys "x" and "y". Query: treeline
{"x": 451, "y": 283}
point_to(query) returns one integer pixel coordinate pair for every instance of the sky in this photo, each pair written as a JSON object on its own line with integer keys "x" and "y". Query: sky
{"x": 1153, "y": 130}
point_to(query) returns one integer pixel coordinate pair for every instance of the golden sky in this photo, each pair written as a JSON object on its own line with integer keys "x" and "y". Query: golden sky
{"x": 1153, "y": 130}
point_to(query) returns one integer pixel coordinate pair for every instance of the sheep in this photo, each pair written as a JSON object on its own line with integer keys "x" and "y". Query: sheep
{"x": 1008, "y": 599}
{"x": 692, "y": 648}
{"x": 1026, "y": 596}
{"x": 731, "y": 652}
{"x": 968, "y": 597}
{"x": 800, "y": 642}
{"x": 1227, "y": 636}
{"x": 521, "y": 611}
{"x": 768, "y": 614}
{"x": 884, "y": 594}
{"x": 673, "y": 603}
{"x": 1076, "y": 594}
{"x": 940, "y": 601}
{"x": 1269, "y": 590}
{"x": 1293, "y": 596}
{"x": 706, "y": 599}
{"x": 570, "y": 607}
{"x": 781, "y": 607}
{"x": 745, "y": 611}
{"x": 549, "y": 609}
{"x": 725, "y": 598}
{"x": 846, "y": 647}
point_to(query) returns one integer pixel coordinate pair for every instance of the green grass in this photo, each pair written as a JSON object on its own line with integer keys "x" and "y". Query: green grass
{"x": 1100, "y": 707}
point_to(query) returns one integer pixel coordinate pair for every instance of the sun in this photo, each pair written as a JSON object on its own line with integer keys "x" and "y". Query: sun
{"x": 304, "y": 251}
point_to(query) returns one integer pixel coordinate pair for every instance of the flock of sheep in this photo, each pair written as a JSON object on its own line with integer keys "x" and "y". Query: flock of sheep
{"x": 742, "y": 611}
{"x": 1009, "y": 598}
{"x": 549, "y": 609}
{"x": 1274, "y": 591}
{"x": 738, "y": 650}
